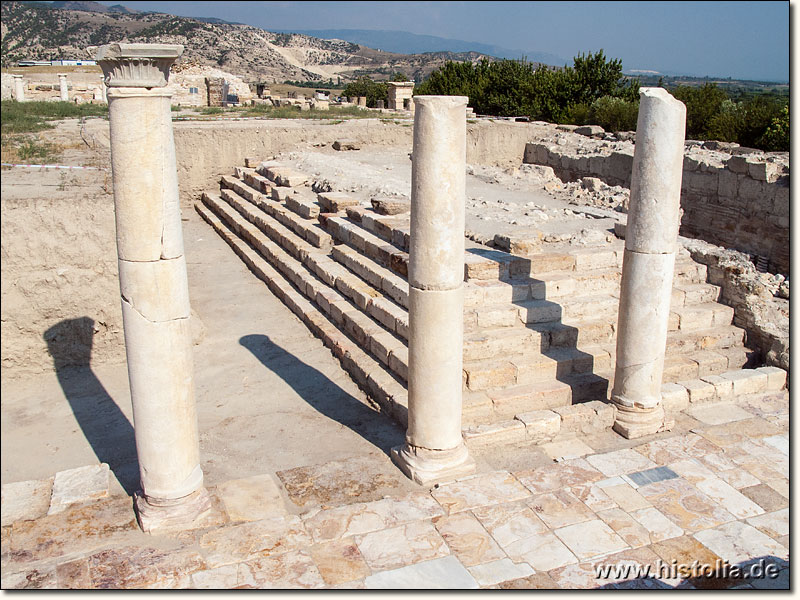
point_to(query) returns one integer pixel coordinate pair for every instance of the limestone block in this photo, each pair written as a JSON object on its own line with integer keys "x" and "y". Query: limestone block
{"x": 490, "y": 374}
{"x": 575, "y": 417}
{"x": 398, "y": 362}
{"x": 747, "y": 381}
{"x": 25, "y": 501}
{"x": 605, "y": 413}
{"x": 723, "y": 387}
{"x": 78, "y": 485}
{"x": 590, "y": 130}
{"x": 504, "y": 432}
{"x": 335, "y": 201}
{"x": 438, "y": 192}
{"x": 763, "y": 171}
{"x": 435, "y": 353}
{"x": 780, "y": 202}
{"x": 620, "y": 163}
{"x": 752, "y": 190}
{"x": 674, "y": 397}
{"x": 252, "y": 499}
{"x": 390, "y": 206}
{"x": 699, "y": 390}
{"x": 540, "y": 425}
{"x": 476, "y": 407}
{"x": 728, "y": 184}
{"x": 776, "y": 378}
{"x": 738, "y": 164}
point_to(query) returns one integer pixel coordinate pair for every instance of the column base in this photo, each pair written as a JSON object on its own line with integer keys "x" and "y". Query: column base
{"x": 638, "y": 422}
{"x": 164, "y": 516}
{"x": 427, "y": 467}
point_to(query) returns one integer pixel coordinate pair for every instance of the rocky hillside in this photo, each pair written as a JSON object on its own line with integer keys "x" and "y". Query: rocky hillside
{"x": 31, "y": 31}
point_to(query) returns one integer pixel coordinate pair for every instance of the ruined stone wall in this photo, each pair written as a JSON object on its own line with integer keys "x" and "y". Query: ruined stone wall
{"x": 737, "y": 201}
{"x": 59, "y": 272}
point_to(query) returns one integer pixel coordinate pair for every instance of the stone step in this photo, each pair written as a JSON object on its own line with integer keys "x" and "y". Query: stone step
{"x": 308, "y": 230}
{"x": 328, "y": 284}
{"x": 536, "y": 367}
{"x": 394, "y": 229}
{"x": 336, "y": 202}
{"x": 700, "y": 316}
{"x": 387, "y": 391}
{"x": 252, "y": 178}
{"x": 533, "y": 312}
{"x": 381, "y": 251}
{"x": 379, "y": 277}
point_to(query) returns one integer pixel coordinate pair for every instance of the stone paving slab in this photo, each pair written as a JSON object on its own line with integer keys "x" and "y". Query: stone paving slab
{"x": 78, "y": 485}
{"x": 678, "y": 504}
{"x": 25, "y": 500}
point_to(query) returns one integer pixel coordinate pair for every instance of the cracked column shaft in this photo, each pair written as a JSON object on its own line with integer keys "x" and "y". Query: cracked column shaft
{"x": 648, "y": 264}
{"x": 434, "y": 448}
{"x": 153, "y": 284}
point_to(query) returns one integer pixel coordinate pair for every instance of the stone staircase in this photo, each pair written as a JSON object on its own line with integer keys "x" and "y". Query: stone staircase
{"x": 539, "y": 331}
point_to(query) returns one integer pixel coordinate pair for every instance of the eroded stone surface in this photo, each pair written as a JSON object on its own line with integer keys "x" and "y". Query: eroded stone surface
{"x": 78, "y": 485}
{"x": 25, "y": 500}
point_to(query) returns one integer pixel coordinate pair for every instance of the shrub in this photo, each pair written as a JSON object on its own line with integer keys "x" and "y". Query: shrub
{"x": 776, "y": 137}
{"x": 614, "y": 114}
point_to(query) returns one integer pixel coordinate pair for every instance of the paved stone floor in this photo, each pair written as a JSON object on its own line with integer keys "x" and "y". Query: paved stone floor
{"x": 692, "y": 505}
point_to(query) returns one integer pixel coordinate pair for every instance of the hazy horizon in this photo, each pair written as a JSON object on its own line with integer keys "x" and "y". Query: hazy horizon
{"x": 741, "y": 40}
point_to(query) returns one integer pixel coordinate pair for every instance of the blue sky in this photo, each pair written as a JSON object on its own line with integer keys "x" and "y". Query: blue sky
{"x": 748, "y": 40}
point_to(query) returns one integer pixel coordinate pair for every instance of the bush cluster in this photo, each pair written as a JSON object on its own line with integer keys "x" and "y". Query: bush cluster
{"x": 519, "y": 88}
{"x": 756, "y": 122}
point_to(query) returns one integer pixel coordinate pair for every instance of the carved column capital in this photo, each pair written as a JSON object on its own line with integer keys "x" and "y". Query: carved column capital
{"x": 137, "y": 65}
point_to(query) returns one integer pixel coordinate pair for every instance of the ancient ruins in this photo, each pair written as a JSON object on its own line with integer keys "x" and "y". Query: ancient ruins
{"x": 443, "y": 352}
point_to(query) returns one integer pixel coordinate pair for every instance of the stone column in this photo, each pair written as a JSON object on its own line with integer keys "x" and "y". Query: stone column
{"x": 62, "y": 84}
{"x": 434, "y": 449}
{"x": 103, "y": 88}
{"x": 153, "y": 284}
{"x": 648, "y": 264}
{"x": 19, "y": 88}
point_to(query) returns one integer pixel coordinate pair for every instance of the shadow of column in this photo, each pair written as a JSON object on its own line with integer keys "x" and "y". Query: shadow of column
{"x": 104, "y": 425}
{"x": 325, "y": 395}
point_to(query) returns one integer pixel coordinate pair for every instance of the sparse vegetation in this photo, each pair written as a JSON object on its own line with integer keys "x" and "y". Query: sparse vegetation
{"x": 27, "y": 117}
{"x": 22, "y": 120}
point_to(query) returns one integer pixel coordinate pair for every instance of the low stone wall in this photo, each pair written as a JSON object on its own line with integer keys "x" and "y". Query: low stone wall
{"x": 208, "y": 150}
{"x": 736, "y": 201}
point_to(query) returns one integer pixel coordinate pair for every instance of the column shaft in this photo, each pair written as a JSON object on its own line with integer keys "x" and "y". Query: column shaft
{"x": 19, "y": 88}
{"x": 434, "y": 448}
{"x": 154, "y": 290}
{"x": 62, "y": 84}
{"x": 648, "y": 263}
{"x": 153, "y": 285}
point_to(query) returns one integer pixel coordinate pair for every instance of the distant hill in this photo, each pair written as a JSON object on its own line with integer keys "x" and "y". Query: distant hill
{"x": 43, "y": 31}
{"x": 411, "y": 43}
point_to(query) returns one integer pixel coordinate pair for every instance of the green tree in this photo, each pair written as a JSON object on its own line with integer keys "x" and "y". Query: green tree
{"x": 776, "y": 137}
{"x": 702, "y": 105}
{"x": 364, "y": 86}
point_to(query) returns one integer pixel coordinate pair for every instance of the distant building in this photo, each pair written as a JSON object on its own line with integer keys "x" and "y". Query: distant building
{"x": 55, "y": 63}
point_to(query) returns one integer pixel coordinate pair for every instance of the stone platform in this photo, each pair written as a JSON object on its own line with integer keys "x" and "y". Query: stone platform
{"x": 540, "y": 322}
{"x": 714, "y": 491}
